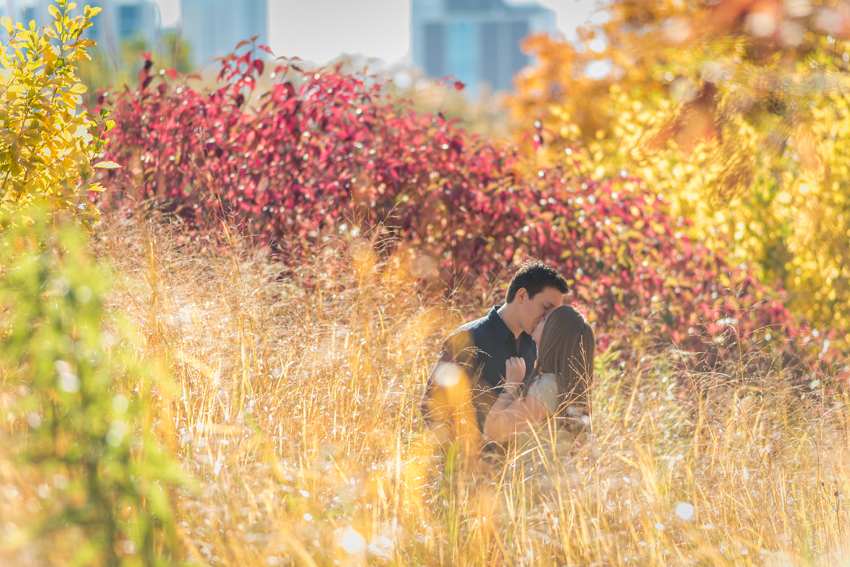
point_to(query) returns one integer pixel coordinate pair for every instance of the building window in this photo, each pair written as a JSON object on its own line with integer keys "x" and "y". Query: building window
{"x": 94, "y": 32}
{"x": 435, "y": 50}
{"x": 462, "y": 45}
{"x": 473, "y": 5}
{"x": 490, "y": 54}
{"x": 519, "y": 30}
{"x": 129, "y": 20}
{"x": 29, "y": 16}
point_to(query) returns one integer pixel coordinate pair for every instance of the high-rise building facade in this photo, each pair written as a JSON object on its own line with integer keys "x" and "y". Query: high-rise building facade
{"x": 26, "y": 11}
{"x": 475, "y": 41}
{"x": 214, "y": 27}
{"x": 118, "y": 20}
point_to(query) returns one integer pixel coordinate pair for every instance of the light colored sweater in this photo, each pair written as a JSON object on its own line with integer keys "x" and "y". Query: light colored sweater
{"x": 544, "y": 388}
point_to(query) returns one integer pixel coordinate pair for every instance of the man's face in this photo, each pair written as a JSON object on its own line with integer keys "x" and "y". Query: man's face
{"x": 533, "y": 309}
{"x": 537, "y": 335}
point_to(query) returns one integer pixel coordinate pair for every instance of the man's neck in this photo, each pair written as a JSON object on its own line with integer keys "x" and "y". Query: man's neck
{"x": 510, "y": 316}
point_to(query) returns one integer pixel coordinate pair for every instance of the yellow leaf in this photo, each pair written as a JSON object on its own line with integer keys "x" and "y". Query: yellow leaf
{"x": 7, "y": 23}
{"x": 107, "y": 165}
{"x": 79, "y": 55}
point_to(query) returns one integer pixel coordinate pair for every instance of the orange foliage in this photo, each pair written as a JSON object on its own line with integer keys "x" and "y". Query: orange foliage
{"x": 737, "y": 112}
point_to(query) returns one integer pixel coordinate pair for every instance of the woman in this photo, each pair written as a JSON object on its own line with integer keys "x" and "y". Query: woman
{"x": 560, "y": 387}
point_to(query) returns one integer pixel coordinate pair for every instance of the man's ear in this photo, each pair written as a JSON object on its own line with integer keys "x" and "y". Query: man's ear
{"x": 521, "y": 294}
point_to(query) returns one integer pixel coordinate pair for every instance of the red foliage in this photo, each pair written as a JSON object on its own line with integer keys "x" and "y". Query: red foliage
{"x": 302, "y": 161}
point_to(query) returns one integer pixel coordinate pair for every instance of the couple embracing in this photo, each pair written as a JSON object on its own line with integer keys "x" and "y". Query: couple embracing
{"x": 525, "y": 364}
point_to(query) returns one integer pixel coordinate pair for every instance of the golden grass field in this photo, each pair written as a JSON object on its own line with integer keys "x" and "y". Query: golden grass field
{"x": 295, "y": 407}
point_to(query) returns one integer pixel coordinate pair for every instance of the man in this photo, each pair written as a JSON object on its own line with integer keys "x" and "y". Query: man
{"x": 467, "y": 379}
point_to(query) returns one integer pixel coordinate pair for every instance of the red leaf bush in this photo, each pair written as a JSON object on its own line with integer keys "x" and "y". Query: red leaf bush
{"x": 309, "y": 155}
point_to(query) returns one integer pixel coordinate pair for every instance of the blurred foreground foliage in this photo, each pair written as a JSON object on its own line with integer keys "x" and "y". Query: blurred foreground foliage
{"x": 737, "y": 112}
{"x": 47, "y": 143}
{"x": 75, "y": 417}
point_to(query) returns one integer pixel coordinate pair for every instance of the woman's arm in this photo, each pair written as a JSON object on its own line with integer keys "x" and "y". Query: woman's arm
{"x": 511, "y": 415}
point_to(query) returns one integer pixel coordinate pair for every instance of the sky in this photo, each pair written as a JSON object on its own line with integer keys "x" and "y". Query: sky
{"x": 320, "y": 30}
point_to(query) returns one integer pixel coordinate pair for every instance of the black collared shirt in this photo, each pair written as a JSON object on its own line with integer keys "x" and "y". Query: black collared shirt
{"x": 482, "y": 348}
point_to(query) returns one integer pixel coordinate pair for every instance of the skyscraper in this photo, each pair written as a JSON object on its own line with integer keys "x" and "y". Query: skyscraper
{"x": 118, "y": 20}
{"x": 476, "y": 41}
{"x": 214, "y": 27}
{"x": 25, "y": 11}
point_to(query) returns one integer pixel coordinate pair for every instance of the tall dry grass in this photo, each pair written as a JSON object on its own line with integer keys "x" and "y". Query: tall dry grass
{"x": 297, "y": 409}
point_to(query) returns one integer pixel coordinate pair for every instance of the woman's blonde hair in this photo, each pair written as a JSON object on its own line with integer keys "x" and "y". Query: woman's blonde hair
{"x": 567, "y": 347}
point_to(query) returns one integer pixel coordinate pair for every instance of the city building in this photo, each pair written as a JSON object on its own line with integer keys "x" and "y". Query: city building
{"x": 25, "y": 11}
{"x": 214, "y": 27}
{"x": 475, "y": 41}
{"x": 118, "y": 20}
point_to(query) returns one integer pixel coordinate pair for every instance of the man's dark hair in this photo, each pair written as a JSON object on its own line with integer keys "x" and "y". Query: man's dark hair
{"x": 535, "y": 277}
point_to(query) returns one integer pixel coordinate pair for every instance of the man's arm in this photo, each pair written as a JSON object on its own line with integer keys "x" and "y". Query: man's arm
{"x": 449, "y": 383}
{"x": 458, "y": 350}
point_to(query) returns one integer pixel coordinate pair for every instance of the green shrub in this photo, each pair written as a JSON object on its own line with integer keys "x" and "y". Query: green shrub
{"x": 80, "y": 422}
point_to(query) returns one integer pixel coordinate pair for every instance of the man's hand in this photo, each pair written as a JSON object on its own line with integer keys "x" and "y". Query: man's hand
{"x": 515, "y": 370}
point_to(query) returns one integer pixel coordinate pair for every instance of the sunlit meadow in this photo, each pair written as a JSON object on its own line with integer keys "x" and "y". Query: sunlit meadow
{"x": 295, "y": 407}
{"x": 240, "y": 405}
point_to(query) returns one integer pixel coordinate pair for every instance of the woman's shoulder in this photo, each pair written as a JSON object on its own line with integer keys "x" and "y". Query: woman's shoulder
{"x": 544, "y": 387}
{"x": 546, "y": 380}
